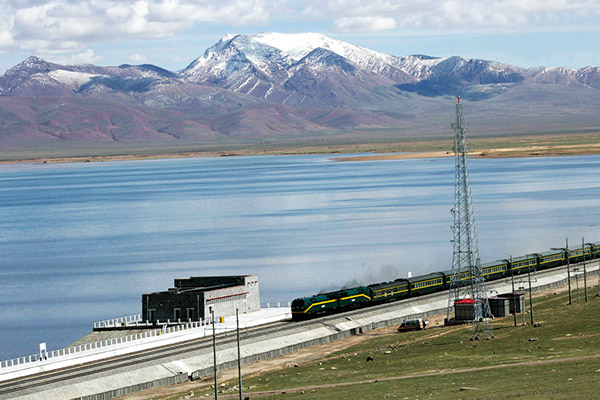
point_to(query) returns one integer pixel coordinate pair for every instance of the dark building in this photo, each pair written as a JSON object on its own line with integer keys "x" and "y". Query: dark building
{"x": 193, "y": 298}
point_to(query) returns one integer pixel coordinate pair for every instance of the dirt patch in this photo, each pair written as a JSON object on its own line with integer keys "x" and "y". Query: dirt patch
{"x": 529, "y": 151}
{"x": 575, "y": 337}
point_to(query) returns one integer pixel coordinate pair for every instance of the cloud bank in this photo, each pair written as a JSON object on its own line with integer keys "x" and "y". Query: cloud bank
{"x": 65, "y": 29}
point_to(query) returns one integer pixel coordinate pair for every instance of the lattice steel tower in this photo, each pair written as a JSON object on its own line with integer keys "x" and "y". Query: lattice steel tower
{"x": 465, "y": 260}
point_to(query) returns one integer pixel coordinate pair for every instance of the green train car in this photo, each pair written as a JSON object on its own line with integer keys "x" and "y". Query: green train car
{"x": 327, "y": 303}
{"x": 523, "y": 264}
{"x": 464, "y": 277}
{"x": 425, "y": 284}
{"x": 551, "y": 259}
{"x": 494, "y": 270}
{"x": 388, "y": 291}
{"x": 577, "y": 253}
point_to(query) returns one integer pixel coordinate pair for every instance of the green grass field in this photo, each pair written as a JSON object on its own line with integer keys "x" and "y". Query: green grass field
{"x": 579, "y": 143}
{"x": 558, "y": 360}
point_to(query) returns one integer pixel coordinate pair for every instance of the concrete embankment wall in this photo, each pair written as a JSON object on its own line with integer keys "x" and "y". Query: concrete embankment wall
{"x": 333, "y": 335}
{"x": 111, "y": 394}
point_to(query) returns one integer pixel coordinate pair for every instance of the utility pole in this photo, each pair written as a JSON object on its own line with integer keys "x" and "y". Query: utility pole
{"x": 584, "y": 270}
{"x": 514, "y": 300}
{"x": 465, "y": 259}
{"x": 523, "y": 310}
{"x": 212, "y": 314}
{"x": 237, "y": 322}
{"x": 576, "y": 270}
{"x": 530, "y": 296}
{"x": 566, "y": 251}
{"x": 568, "y": 269}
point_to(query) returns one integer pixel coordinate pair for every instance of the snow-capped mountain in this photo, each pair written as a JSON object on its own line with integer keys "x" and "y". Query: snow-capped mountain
{"x": 272, "y": 84}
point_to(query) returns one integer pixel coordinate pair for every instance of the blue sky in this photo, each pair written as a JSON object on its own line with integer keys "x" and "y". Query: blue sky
{"x": 171, "y": 33}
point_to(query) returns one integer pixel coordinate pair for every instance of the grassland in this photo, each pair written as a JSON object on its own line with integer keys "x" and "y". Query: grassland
{"x": 407, "y": 147}
{"x": 560, "y": 359}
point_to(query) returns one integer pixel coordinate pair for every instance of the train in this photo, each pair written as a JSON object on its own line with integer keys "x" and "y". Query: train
{"x": 362, "y": 296}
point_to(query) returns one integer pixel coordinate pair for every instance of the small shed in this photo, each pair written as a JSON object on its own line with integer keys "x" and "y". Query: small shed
{"x": 464, "y": 310}
{"x": 516, "y": 301}
{"x": 499, "y": 306}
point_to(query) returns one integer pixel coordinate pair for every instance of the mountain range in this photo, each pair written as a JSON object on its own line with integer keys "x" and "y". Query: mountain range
{"x": 273, "y": 86}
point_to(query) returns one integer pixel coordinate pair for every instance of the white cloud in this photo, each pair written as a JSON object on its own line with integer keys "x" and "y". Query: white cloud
{"x": 138, "y": 58}
{"x": 6, "y": 33}
{"x": 88, "y": 21}
{"x": 71, "y": 26}
{"x": 364, "y": 24}
{"x": 84, "y": 57}
{"x": 456, "y": 15}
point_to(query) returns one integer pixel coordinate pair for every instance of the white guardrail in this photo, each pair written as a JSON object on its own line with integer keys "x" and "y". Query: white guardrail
{"x": 123, "y": 321}
{"x": 51, "y": 360}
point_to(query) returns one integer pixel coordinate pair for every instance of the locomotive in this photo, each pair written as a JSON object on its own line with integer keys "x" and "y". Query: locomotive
{"x": 401, "y": 288}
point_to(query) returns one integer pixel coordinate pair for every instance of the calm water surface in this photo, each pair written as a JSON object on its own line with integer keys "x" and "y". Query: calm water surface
{"x": 82, "y": 242}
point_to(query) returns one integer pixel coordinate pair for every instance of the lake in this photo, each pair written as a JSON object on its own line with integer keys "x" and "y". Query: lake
{"x": 81, "y": 242}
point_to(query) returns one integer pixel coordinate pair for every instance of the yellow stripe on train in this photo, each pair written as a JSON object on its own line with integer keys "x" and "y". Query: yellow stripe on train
{"x": 331, "y": 301}
{"x": 357, "y": 295}
{"x": 318, "y": 304}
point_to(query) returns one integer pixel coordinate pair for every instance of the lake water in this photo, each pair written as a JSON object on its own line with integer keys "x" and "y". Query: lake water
{"x": 82, "y": 242}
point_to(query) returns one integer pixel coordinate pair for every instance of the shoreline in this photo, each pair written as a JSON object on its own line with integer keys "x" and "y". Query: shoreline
{"x": 502, "y": 147}
{"x": 511, "y": 152}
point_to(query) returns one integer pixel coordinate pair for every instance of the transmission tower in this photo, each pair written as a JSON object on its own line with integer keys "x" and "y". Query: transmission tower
{"x": 466, "y": 281}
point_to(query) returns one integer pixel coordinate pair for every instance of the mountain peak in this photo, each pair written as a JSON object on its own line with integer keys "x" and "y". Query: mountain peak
{"x": 239, "y": 62}
{"x": 22, "y": 72}
{"x": 33, "y": 59}
{"x": 296, "y": 45}
{"x": 36, "y": 64}
{"x": 321, "y": 56}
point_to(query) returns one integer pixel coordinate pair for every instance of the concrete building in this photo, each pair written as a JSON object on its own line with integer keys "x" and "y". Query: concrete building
{"x": 193, "y": 298}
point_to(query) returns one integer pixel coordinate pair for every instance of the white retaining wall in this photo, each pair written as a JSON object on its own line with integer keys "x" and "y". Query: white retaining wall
{"x": 84, "y": 353}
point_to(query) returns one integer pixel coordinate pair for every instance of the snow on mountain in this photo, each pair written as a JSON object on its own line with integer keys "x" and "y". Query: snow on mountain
{"x": 233, "y": 54}
{"x": 298, "y": 45}
{"x": 72, "y": 78}
{"x": 330, "y": 80}
{"x": 587, "y": 76}
{"x": 399, "y": 69}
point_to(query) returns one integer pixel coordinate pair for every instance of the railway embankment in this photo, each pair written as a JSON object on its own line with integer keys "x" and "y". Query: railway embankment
{"x": 155, "y": 368}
